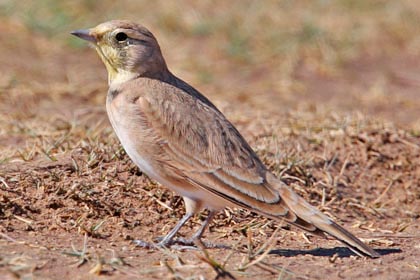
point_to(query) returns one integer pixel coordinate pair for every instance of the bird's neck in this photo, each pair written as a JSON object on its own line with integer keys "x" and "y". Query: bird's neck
{"x": 120, "y": 76}
{"x": 163, "y": 74}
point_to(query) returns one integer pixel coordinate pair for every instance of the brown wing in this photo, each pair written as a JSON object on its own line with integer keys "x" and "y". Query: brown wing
{"x": 196, "y": 139}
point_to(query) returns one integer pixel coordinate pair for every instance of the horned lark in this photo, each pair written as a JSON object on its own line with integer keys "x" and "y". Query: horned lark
{"x": 179, "y": 138}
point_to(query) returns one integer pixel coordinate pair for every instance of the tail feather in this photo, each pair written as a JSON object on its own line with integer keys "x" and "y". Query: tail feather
{"x": 308, "y": 215}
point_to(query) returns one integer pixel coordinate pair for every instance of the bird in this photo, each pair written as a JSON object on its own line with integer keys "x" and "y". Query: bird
{"x": 178, "y": 137}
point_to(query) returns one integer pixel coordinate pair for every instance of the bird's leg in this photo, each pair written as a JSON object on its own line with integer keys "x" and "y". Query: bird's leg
{"x": 196, "y": 237}
{"x": 184, "y": 243}
{"x": 168, "y": 239}
{"x": 199, "y": 233}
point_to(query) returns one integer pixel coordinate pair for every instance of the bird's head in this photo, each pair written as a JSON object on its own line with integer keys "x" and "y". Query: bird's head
{"x": 127, "y": 49}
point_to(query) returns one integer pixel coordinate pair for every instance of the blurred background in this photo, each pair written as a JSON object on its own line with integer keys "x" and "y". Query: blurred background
{"x": 250, "y": 57}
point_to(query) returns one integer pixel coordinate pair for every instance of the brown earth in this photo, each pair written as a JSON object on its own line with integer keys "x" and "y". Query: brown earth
{"x": 71, "y": 202}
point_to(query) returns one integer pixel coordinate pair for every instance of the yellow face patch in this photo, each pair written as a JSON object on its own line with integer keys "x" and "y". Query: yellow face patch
{"x": 109, "y": 57}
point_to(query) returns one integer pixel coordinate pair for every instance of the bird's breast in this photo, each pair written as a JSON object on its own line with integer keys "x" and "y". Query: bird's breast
{"x": 126, "y": 122}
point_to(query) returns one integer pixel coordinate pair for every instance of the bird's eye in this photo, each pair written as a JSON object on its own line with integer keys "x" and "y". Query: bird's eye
{"x": 121, "y": 36}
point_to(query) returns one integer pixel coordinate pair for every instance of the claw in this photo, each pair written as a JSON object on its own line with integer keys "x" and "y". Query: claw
{"x": 180, "y": 244}
{"x": 146, "y": 245}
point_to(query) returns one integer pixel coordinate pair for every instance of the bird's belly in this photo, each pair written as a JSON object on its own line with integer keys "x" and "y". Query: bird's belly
{"x": 130, "y": 144}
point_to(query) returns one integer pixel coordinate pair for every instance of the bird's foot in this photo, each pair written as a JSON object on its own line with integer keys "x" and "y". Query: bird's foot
{"x": 195, "y": 243}
{"x": 180, "y": 244}
{"x": 145, "y": 244}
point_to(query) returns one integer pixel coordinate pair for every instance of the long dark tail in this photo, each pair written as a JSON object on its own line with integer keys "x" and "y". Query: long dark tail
{"x": 309, "y": 218}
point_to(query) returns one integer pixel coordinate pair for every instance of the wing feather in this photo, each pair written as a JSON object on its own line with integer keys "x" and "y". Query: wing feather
{"x": 198, "y": 138}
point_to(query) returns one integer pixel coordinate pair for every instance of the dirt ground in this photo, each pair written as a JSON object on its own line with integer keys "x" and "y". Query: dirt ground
{"x": 71, "y": 202}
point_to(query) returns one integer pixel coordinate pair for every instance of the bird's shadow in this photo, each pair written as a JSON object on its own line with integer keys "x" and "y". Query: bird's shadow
{"x": 341, "y": 252}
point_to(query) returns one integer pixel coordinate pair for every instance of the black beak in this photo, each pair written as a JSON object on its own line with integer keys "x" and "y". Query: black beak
{"x": 84, "y": 34}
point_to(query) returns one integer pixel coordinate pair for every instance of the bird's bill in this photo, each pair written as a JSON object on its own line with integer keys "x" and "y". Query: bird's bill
{"x": 84, "y": 34}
